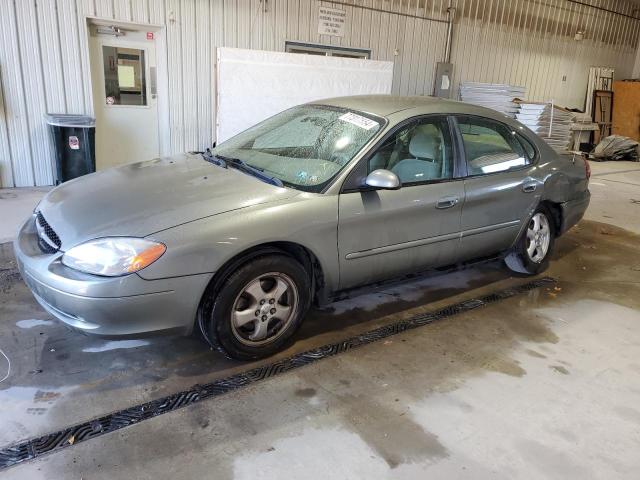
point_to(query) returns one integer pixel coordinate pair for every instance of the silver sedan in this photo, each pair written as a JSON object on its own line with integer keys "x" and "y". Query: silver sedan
{"x": 240, "y": 240}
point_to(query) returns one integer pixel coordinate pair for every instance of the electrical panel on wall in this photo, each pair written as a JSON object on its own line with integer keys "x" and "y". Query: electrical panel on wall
{"x": 444, "y": 72}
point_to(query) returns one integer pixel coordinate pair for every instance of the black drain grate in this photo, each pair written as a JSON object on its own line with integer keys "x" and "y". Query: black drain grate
{"x": 52, "y": 442}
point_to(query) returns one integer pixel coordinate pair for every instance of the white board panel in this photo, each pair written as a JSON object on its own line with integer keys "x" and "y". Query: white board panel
{"x": 254, "y": 84}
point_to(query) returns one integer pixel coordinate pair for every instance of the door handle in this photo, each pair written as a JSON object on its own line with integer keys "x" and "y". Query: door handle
{"x": 153, "y": 83}
{"x": 529, "y": 187}
{"x": 447, "y": 202}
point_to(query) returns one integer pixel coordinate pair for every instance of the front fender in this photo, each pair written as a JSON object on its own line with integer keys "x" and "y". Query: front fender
{"x": 203, "y": 246}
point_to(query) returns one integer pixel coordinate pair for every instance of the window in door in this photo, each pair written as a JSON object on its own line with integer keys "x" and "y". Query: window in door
{"x": 491, "y": 147}
{"x": 326, "y": 50}
{"x": 124, "y": 76}
{"x": 419, "y": 152}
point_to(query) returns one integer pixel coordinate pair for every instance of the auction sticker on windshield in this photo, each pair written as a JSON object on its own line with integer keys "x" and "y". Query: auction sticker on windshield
{"x": 359, "y": 120}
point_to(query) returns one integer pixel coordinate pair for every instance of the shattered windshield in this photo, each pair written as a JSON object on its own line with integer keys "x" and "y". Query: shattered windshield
{"x": 306, "y": 146}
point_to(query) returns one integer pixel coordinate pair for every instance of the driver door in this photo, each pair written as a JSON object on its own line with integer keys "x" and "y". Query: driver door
{"x": 388, "y": 233}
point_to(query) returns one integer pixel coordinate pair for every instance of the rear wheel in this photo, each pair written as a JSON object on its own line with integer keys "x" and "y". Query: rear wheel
{"x": 533, "y": 249}
{"x": 258, "y": 308}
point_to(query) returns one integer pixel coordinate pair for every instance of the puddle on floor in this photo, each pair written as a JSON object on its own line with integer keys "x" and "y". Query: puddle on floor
{"x": 116, "y": 345}
{"x": 33, "y": 323}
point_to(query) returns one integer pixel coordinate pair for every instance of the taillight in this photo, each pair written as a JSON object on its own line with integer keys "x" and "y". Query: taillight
{"x": 587, "y": 168}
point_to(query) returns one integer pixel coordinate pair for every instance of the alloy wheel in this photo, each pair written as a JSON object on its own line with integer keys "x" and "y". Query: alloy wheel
{"x": 264, "y": 308}
{"x": 538, "y": 237}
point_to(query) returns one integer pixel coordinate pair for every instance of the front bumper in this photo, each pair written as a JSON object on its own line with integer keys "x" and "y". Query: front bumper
{"x": 127, "y": 306}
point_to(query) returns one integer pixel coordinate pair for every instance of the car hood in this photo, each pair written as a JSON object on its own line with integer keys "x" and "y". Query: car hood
{"x": 143, "y": 198}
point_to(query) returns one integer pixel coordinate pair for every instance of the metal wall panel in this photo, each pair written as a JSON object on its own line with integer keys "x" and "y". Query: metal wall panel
{"x": 15, "y": 109}
{"x": 36, "y": 104}
{"x": 6, "y": 170}
{"x": 190, "y": 91}
{"x": 531, "y": 43}
{"x": 158, "y": 16}
{"x": 44, "y": 63}
{"x": 75, "y": 82}
{"x": 204, "y": 72}
{"x": 51, "y": 54}
{"x": 104, "y": 8}
{"x": 122, "y": 9}
{"x": 140, "y": 11}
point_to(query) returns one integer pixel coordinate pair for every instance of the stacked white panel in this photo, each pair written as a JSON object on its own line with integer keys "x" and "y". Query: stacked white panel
{"x": 549, "y": 122}
{"x": 497, "y": 96}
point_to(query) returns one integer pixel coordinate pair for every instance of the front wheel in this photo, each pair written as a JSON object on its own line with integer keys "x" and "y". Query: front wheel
{"x": 258, "y": 308}
{"x": 531, "y": 253}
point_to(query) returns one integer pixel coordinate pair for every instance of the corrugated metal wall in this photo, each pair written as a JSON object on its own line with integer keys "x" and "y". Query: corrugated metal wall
{"x": 531, "y": 43}
{"x": 44, "y": 64}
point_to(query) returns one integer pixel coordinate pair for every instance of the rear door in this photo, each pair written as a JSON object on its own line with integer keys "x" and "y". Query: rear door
{"x": 386, "y": 233}
{"x": 500, "y": 188}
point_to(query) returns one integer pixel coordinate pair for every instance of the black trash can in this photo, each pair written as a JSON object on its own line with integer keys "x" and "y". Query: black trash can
{"x": 74, "y": 140}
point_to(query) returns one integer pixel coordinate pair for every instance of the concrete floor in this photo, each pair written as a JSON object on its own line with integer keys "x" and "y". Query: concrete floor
{"x": 615, "y": 187}
{"x": 541, "y": 385}
{"x": 16, "y": 204}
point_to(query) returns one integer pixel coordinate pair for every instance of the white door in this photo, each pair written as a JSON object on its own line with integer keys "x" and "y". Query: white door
{"x": 123, "y": 70}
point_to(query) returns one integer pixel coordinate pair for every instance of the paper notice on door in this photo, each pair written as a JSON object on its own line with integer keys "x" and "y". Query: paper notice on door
{"x": 126, "y": 76}
{"x": 444, "y": 85}
{"x": 359, "y": 120}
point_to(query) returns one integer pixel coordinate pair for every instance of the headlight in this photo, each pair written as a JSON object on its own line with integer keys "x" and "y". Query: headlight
{"x": 113, "y": 256}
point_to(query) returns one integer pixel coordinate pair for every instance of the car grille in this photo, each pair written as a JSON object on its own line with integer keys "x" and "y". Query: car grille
{"x": 48, "y": 239}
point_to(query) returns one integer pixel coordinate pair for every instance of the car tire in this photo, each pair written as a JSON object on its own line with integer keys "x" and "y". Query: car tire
{"x": 534, "y": 247}
{"x": 258, "y": 307}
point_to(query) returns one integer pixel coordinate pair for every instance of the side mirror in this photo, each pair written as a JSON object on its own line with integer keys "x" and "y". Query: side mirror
{"x": 383, "y": 179}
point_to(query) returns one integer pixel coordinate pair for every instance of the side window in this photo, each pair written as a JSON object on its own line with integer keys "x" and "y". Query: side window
{"x": 419, "y": 152}
{"x": 491, "y": 146}
{"x": 528, "y": 147}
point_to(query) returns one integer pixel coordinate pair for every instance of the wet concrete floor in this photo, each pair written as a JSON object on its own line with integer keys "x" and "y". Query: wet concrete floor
{"x": 541, "y": 385}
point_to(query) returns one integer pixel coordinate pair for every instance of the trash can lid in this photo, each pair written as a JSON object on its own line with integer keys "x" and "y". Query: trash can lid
{"x": 70, "y": 120}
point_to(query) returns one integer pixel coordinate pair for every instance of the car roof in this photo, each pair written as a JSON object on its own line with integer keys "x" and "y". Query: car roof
{"x": 385, "y": 105}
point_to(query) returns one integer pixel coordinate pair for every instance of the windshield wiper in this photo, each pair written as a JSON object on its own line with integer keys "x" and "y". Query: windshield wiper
{"x": 215, "y": 159}
{"x": 250, "y": 170}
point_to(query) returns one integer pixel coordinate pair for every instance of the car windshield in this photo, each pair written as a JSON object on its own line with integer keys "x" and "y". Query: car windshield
{"x": 305, "y": 147}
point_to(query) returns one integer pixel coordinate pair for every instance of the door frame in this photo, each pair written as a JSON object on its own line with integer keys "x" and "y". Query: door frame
{"x": 162, "y": 73}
